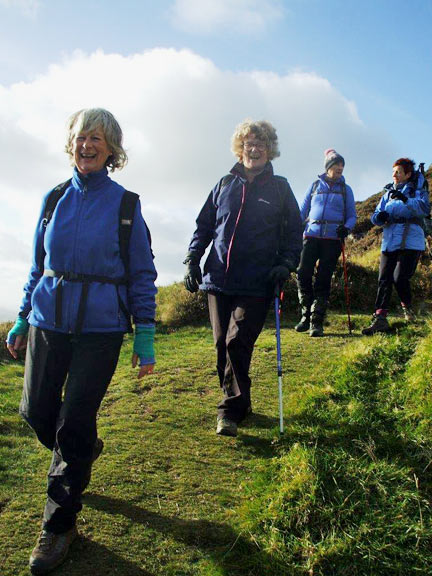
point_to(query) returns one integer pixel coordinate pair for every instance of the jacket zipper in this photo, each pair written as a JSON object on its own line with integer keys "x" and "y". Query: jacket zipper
{"x": 78, "y": 219}
{"x": 235, "y": 227}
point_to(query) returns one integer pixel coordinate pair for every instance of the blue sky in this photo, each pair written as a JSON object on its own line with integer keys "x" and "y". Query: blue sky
{"x": 180, "y": 74}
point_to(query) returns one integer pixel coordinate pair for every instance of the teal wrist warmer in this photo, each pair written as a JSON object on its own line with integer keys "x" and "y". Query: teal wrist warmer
{"x": 144, "y": 344}
{"x": 20, "y": 328}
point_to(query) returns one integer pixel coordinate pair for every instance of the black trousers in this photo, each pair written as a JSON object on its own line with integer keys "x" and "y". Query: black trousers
{"x": 65, "y": 380}
{"x": 326, "y": 252}
{"x": 237, "y": 322}
{"x": 396, "y": 268}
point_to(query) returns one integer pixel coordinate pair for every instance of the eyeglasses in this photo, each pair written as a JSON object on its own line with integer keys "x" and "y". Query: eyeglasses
{"x": 261, "y": 146}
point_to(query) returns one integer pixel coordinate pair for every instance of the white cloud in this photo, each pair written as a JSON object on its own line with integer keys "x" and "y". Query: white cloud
{"x": 28, "y": 8}
{"x": 212, "y": 16}
{"x": 177, "y": 111}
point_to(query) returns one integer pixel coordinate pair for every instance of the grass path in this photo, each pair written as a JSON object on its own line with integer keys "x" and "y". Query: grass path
{"x": 164, "y": 493}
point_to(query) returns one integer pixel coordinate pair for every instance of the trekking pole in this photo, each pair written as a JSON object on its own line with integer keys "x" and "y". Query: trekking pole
{"x": 278, "y": 299}
{"x": 347, "y": 298}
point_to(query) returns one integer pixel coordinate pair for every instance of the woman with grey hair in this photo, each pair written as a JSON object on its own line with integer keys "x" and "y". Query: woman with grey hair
{"x": 92, "y": 270}
{"x": 252, "y": 219}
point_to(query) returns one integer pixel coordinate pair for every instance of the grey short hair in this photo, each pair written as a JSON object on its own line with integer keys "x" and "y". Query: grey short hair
{"x": 262, "y": 130}
{"x": 90, "y": 119}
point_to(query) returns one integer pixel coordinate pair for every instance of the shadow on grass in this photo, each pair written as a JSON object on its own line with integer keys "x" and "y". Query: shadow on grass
{"x": 231, "y": 552}
{"x": 88, "y": 557}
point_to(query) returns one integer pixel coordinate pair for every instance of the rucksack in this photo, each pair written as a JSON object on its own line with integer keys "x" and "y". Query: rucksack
{"x": 126, "y": 215}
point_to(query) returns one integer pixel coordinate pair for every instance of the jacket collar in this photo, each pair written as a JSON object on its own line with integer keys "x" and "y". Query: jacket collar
{"x": 238, "y": 170}
{"x": 93, "y": 181}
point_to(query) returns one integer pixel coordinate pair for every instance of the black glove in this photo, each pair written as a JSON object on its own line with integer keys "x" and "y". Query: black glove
{"x": 342, "y": 231}
{"x": 193, "y": 277}
{"x": 279, "y": 275}
{"x": 398, "y": 195}
{"x": 382, "y": 217}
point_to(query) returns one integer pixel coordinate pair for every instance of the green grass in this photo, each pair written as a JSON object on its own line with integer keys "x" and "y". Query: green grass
{"x": 346, "y": 491}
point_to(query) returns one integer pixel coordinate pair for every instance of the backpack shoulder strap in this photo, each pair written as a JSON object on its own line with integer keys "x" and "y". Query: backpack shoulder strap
{"x": 52, "y": 200}
{"x": 223, "y": 182}
{"x": 50, "y": 205}
{"x": 126, "y": 215}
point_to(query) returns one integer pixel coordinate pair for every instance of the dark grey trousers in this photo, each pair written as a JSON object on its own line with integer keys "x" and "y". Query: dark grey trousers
{"x": 326, "y": 251}
{"x": 237, "y": 322}
{"x": 396, "y": 268}
{"x": 65, "y": 380}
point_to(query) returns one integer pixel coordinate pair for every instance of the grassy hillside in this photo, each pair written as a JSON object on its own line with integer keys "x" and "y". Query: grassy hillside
{"x": 346, "y": 491}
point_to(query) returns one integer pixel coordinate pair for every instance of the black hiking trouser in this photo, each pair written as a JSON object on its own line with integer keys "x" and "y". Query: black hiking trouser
{"x": 237, "y": 322}
{"x": 65, "y": 380}
{"x": 326, "y": 251}
{"x": 396, "y": 268}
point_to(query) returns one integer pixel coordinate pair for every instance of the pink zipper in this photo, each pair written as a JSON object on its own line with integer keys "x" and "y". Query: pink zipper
{"x": 235, "y": 227}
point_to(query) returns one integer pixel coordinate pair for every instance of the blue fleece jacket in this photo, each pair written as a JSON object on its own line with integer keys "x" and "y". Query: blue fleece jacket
{"x": 82, "y": 237}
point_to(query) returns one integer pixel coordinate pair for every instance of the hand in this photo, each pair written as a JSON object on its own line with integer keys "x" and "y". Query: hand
{"x": 342, "y": 231}
{"x": 279, "y": 275}
{"x": 17, "y": 337}
{"x": 193, "y": 277}
{"x": 382, "y": 217}
{"x": 20, "y": 343}
{"x": 144, "y": 369}
{"x": 398, "y": 195}
{"x": 143, "y": 349}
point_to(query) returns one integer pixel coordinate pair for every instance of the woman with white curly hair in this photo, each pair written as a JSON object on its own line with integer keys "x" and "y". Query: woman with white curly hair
{"x": 252, "y": 219}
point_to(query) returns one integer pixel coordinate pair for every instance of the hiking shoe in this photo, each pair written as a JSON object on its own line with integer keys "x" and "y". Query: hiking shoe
{"x": 50, "y": 550}
{"x": 409, "y": 315}
{"x": 226, "y": 427}
{"x": 304, "y": 324}
{"x": 379, "y": 324}
{"x": 316, "y": 330}
{"x": 97, "y": 451}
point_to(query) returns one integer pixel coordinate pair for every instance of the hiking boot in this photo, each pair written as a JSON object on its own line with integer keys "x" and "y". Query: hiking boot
{"x": 318, "y": 311}
{"x": 316, "y": 329}
{"x": 226, "y": 427}
{"x": 379, "y": 324}
{"x": 50, "y": 550}
{"x": 304, "y": 324}
{"x": 97, "y": 451}
{"x": 409, "y": 315}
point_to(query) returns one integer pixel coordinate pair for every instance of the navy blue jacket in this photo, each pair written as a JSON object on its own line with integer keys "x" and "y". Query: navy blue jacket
{"x": 82, "y": 237}
{"x": 253, "y": 226}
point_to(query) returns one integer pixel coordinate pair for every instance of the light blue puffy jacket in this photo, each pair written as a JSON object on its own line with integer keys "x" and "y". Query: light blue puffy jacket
{"x": 401, "y": 232}
{"x": 324, "y": 208}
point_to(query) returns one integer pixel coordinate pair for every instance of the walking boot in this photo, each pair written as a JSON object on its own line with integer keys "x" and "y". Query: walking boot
{"x": 318, "y": 311}
{"x": 379, "y": 324}
{"x": 303, "y": 325}
{"x": 226, "y": 427}
{"x": 50, "y": 550}
{"x": 305, "y": 301}
{"x": 409, "y": 315}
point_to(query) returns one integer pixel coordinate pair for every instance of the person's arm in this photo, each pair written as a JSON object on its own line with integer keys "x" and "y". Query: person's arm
{"x": 291, "y": 240}
{"x": 416, "y": 206}
{"x": 381, "y": 216}
{"x": 351, "y": 215}
{"x": 141, "y": 294}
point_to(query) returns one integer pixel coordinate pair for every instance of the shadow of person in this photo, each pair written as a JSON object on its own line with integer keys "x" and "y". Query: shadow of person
{"x": 91, "y": 558}
{"x": 233, "y": 553}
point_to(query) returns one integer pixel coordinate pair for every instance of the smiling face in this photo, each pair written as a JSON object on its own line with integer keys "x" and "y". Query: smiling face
{"x": 255, "y": 154}
{"x": 335, "y": 171}
{"x": 90, "y": 151}
{"x": 399, "y": 175}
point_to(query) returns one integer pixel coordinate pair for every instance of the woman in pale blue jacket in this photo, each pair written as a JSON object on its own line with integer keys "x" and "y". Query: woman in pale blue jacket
{"x": 400, "y": 212}
{"x": 328, "y": 211}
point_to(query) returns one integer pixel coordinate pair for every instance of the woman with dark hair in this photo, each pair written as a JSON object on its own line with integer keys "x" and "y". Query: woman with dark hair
{"x": 400, "y": 212}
